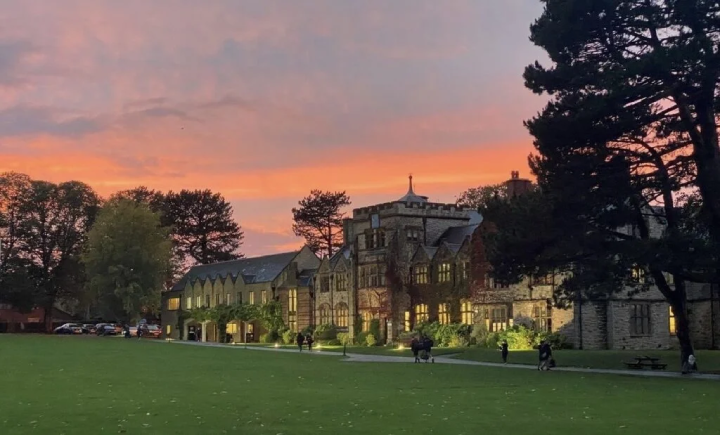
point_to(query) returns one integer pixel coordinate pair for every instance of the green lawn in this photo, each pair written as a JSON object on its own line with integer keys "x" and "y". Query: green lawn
{"x": 90, "y": 385}
{"x": 708, "y": 361}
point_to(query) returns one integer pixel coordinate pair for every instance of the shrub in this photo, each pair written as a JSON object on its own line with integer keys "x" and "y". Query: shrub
{"x": 325, "y": 332}
{"x": 370, "y": 340}
{"x": 269, "y": 337}
{"x": 375, "y": 328}
{"x": 344, "y": 338}
{"x": 405, "y": 338}
{"x": 556, "y": 340}
{"x": 429, "y": 330}
{"x": 453, "y": 335}
{"x": 520, "y": 337}
{"x": 288, "y": 336}
{"x": 307, "y": 330}
{"x": 479, "y": 334}
{"x": 361, "y": 338}
{"x": 334, "y": 342}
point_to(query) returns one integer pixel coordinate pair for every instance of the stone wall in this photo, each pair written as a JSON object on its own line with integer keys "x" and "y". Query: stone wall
{"x": 620, "y": 335}
{"x": 592, "y": 334}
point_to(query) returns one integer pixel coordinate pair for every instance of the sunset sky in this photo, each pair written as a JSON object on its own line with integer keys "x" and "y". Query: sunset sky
{"x": 265, "y": 100}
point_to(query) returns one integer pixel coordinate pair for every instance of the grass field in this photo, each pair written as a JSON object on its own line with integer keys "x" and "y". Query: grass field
{"x": 90, "y": 385}
{"x": 709, "y": 361}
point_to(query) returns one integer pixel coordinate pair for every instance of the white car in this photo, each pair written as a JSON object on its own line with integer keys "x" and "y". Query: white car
{"x": 69, "y": 328}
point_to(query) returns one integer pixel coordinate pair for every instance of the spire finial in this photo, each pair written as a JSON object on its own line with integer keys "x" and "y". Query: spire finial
{"x": 411, "y": 186}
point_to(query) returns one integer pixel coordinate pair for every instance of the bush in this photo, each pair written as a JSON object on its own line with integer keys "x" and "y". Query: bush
{"x": 325, "y": 332}
{"x": 288, "y": 336}
{"x": 269, "y": 337}
{"x": 307, "y": 330}
{"x": 375, "y": 328}
{"x": 344, "y": 338}
{"x": 334, "y": 342}
{"x": 556, "y": 340}
{"x": 520, "y": 337}
{"x": 361, "y": 338}
{"x": 453, "y": 335}
{"x": 370, "y": 340}
{"x": 479, "y": 334}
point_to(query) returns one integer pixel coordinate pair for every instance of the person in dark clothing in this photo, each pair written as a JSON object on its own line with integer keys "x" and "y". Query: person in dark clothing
{"x": 427, "y": 347}
{"x": 300, "y": 340}
{"x": 415, "y": 347}
{"x": 309, "y": 340}
{"x": 545, "y": 356}
{"x": 504, "y": 351}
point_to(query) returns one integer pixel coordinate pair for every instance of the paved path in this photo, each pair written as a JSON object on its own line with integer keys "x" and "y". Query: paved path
{"x": 355, "y": 357}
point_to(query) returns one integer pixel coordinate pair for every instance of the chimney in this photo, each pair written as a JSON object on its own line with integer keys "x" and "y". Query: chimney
{"x": 517, "y": 186}
{"x": 347, "y": 231}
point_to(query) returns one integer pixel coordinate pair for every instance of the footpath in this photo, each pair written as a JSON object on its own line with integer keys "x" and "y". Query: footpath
{"x": 363, "y": 358}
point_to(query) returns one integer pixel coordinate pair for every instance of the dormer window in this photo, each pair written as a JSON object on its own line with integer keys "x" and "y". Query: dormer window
{"x": 444, "y": 272}
{"x": 420, "y": 275}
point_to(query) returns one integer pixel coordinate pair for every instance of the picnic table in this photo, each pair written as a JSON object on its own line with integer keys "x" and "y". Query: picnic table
{"x": 646, "y": 362}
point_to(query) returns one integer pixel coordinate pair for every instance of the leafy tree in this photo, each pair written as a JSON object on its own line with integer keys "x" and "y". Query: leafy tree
{"x": 636, "y": 79}
{"x": 476, "y": 197}
{"x": 13, "y": 188}
{"x": 126, "y": 255}
{"x": 222, "y": 315}
{"x": 270, "y": 315}
{"x": 204, "y": 230}
{"x": 52, "y": 233}
{"x": 246, "y": 313}
{"x": 154, "y": 199}
{"x": 629, "y": 130}
{"x": 319, "y": 220}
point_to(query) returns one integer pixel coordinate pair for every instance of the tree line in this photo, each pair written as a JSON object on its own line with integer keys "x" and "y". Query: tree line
{"x": 112, "y": 257}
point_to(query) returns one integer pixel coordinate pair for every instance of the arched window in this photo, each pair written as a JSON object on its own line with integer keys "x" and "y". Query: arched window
{"x": 366, "y": 319}
{"x": 324, "y": 314}
{"x": 342, "y": 315}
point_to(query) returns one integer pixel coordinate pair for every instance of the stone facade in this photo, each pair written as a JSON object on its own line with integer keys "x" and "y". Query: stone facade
{"x": 286, "y": 278}
{"x": 410, "y": 261}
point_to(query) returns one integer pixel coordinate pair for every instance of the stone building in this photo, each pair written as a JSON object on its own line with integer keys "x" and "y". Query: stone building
{"x": 411, "y": 260}
{"x": 285, "y": 277}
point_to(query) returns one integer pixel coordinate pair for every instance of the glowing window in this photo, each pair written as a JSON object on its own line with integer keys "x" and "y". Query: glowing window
{"x": 173, "y": 304}
{"x": 444, "y": 314}
{"x": 421, "y": 313}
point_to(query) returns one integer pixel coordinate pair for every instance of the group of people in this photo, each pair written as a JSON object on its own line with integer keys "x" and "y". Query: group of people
{"x": 546, "y": 360}
{"x": 304, "y": 339}
{"x": 422, "y": 348}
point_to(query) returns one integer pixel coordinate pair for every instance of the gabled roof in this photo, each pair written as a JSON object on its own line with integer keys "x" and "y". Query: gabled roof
{"x": 252, "y": 270}
{"x": 457, "y": 235}
{"x": 344, "y": 252}
{"x": 305, "y": 277}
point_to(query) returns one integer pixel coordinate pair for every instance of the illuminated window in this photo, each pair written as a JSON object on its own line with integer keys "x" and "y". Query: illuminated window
{"x": 407, "y": 324}
{"x": 324, "y": 314}
{"x": 228, "y": 298}
{"x": 640, "y": 319}
{"x": 173, "y": 304}
{"x": 444, "y": 274}
{"x": 168, "y": 329}
{"x": 342, "y": 315}
{"x": 251, "y": 298}
{"x": 366, "y": 319}
{"x": 444, "y": 314}
{"x": 421, "y": 313}
{"x": 420, "y": 274}
{"x": 340, "y": 282}
{"x": 292, "y": 309}
{"x": 638, "y": 275}
{"x": 498, "y": 319}
{"x": 232, "y": 328}
{"x": 263, "y": 297}
{"x": 671, "y": 318}
{"x": 467, "y": 313}
{"x": 188, "y": 302}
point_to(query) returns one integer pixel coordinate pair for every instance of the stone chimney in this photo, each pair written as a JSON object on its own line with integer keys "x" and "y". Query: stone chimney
{"x": 517, "y": 186}
{"x": 347, "y": 232}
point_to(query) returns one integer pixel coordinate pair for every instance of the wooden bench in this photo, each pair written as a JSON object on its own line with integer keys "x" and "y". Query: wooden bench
{"x": 646, "y": 362}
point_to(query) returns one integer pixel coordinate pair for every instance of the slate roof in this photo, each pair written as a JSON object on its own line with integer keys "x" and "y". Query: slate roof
{"x": 430, "y": 251}
{"x": 252, "y": 270}
{"x": 457, "y": 235}
{"x": 344, "y": 251}
{"x": 306, "y": 277}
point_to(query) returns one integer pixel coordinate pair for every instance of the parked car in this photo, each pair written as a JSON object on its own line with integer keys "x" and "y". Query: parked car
{"x": 104, "y": 329}
{"x": 88, "y": 328}
{"x": 69, "y": 328}
{"x": 152, "y": 331}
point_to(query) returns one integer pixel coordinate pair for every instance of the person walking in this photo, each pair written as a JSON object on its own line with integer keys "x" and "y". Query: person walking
{"x": 415, "y": 347}
{"x": 427, "y": 347}
{"x": 545, "y": 356}
{"x": 300, "y": 340}
{"x": 504, "y": 351}
{"x": 309, "y": 340}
